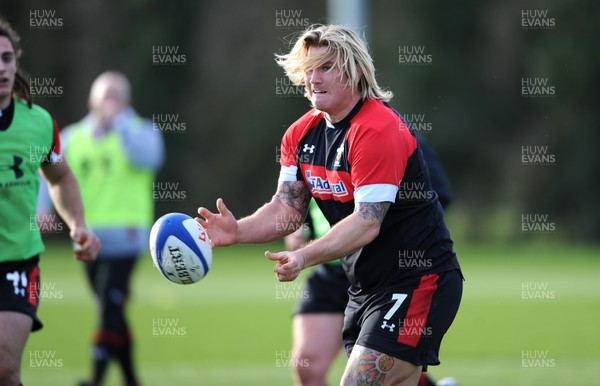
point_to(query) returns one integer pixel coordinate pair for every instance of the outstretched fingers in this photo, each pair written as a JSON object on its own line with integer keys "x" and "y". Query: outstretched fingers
{"x": 206, "y": 215}
{"x": 221, "y": 226}
{"x": 223, "y": 211}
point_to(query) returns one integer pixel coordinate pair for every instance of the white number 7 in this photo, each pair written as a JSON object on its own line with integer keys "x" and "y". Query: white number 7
{"x": 399, "y": 298}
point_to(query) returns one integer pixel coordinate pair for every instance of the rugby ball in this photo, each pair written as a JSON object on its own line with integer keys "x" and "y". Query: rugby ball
{"x": 180, "y": 248}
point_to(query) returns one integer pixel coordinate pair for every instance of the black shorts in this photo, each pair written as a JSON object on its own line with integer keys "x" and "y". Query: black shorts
{"x": 19, "y": 288}
{"x": 326, "y": 290}
{"x": 406, "y": 321}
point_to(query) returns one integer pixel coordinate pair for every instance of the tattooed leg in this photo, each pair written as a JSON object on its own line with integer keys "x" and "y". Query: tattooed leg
{"x": 368, "y": 367}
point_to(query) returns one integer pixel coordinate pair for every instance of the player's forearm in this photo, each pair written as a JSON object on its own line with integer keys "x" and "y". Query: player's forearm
{"x": 273, "y": 221}
{"x": 344, "y": 238}
{"x": 280, "y": 217}
{"x": 66, "y": 197}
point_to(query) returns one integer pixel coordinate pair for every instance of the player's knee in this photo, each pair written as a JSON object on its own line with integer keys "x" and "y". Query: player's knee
{"x": 310, "y": 368}
{"x": 309, "y": 376}
{"x": 307, "y": 352}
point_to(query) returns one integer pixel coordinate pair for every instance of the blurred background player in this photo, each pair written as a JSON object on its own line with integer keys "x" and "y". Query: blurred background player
{"x": 319, "y": 317}
{"x": 115, "y": 154}
{"x": 29, "y": 142}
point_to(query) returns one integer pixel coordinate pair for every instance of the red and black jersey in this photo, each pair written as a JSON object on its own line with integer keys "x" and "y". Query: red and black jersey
{"x": 371, "y": 156}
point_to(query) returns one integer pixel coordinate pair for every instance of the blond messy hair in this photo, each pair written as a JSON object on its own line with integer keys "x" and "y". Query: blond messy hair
{"x": 345, "y": 49}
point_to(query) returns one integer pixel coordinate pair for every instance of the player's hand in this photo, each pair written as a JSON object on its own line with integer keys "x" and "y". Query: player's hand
{"x": 289, "y": 264}
{"x": 86, "y": 244}
{"x": 221, "y": 228}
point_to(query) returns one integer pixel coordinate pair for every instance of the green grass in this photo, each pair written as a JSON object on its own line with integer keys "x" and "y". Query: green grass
{"x": 230, "y": 328}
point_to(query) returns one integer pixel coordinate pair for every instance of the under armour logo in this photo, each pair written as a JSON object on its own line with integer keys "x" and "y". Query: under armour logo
{"x": 310, "y": 149}
{"x": 390, "y": 326}
{"x": 17, "y": 161}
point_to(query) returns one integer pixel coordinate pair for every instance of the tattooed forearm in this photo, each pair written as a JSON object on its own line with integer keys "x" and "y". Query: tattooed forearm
{"x": 294, "y": 194}
{"x": 373, "y": 210}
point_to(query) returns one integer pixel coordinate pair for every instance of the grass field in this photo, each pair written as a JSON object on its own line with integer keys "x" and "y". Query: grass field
{"x": 527, "y": 318}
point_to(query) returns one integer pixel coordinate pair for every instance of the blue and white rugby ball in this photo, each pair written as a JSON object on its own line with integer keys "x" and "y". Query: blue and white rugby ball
{"x": 180, "y": 248}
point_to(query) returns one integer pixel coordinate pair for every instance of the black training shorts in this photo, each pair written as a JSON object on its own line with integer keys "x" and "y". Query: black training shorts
{"x": 406, "y": 321}
{"x": 19, "y": 288}
{"x": 326, "y": 291}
